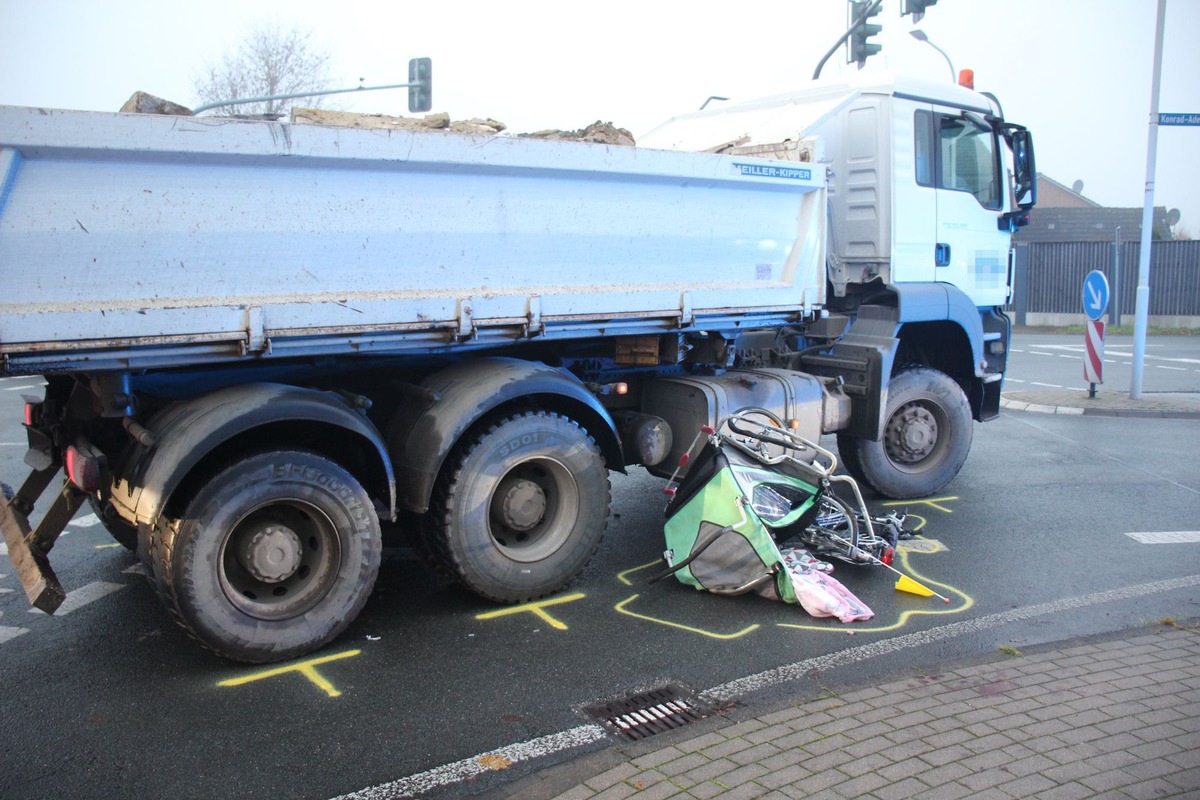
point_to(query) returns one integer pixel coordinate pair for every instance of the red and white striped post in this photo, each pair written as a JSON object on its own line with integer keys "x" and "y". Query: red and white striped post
{"x": 1093, "y": 360}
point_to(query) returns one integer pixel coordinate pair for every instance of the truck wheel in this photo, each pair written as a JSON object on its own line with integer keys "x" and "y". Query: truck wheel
{"x": 926, "y": 437}
{"x": 125, "y": 534}
{"x": 273, "y": 558}
{"x": 518, "y": 511}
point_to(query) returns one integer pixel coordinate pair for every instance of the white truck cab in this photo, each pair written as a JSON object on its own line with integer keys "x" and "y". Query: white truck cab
{"x": 919, "y": 180}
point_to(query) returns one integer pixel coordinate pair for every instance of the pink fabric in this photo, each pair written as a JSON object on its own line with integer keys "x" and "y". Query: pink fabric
{"x": 822, "y": 595}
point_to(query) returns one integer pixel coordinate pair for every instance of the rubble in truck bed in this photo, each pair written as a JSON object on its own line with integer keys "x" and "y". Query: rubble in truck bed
{"x": 598, "y": 132}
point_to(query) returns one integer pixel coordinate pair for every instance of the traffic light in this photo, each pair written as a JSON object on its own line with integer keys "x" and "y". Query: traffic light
{"x": 420, "y": 85}
{"x": 858, "y": 49}
{"x": 916, "y": 8}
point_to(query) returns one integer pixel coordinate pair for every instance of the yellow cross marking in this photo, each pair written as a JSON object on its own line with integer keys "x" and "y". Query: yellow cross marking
{"x": 934, "y": 502}
{"x": 538, "y": 609}
{"x": 305, "y": 668}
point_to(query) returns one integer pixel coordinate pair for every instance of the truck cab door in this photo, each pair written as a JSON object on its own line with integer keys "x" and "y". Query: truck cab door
{"x": 914, "y": 205}
{"x": 971, "y": 251}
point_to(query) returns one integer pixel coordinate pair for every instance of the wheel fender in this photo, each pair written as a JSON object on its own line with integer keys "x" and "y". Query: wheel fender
{"x": 421, "y": 437}
{"x": 187, "y": 432}
{"x": 930, "y": 302}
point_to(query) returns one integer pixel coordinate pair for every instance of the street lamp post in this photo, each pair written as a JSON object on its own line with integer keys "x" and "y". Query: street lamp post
{"x": 920, "y": 36}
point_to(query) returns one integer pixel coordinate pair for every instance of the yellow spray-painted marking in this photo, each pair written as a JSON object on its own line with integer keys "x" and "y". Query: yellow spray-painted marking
{"x": 921, "y": 546}
{"x": 623, "y": 608}
{"x": 108, "y": 546}
{"x": 621, "y": 576}
{"x": 305, "y": 668}
{"x": 932, "y": 502}
{"x": 538, "y": 609}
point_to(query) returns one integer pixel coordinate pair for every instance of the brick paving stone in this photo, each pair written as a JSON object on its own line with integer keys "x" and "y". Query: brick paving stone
{"x": 900, "y": 790}
{"x": 686, "y": 763}
{"x": 706, "y": 790}
{"x": 986, "y": 779}
{"x": 1151, "y": 790}
{"x": 1067, "y": 791}
{"x": 776, "y": 778}
{"x": 798, "y": 739}
{"x": 742, "y": 728}
{"x": 828, "y": 761}
{"x": 612, "y": 776}
{"x": 945, "y": 755}
{"x": 769, "y": 733}
{"x": 707, "y": 771}
{"x": 862, "y": 785}
{"x": 781, "y": 760}
{"x": 1032, "y": 785}
{"x": 819, "y": 781}
{"x": 657, "y": 757}
{"x": 857, "y": 767}
{"x": 756, "y": 753}
{"x": 1107, "y": 780}
{"x": 1188, "y": 780}
{"x": 618, "y": 792}
{"x": 822, "y": 746}
{"x": 658, "y": 791}
{"x": 949, "y": 791}
{"x": 700, "y": 742}
{"x": 580, "y": 792}
{"x": 727, "y": 748}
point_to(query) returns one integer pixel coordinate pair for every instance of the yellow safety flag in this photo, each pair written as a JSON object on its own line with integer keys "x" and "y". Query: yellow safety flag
{"x": 907, "y": 584}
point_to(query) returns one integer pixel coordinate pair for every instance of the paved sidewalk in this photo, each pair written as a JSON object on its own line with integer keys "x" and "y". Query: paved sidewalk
{"x": 1116, "y": 717}
{"x": 1108, "y": 403}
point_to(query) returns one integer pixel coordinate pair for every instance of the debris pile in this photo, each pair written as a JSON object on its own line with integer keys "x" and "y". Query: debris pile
{"x": 145, "y": 103}
{"x": 430, "y": 122}
{"x": 598, "y": 132}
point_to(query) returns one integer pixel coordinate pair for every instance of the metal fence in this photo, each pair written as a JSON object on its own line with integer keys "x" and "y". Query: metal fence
{"x": 1049, "y": 278}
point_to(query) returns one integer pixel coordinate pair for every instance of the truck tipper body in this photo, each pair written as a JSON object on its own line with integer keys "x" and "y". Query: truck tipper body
{"x": 264, "y": 342}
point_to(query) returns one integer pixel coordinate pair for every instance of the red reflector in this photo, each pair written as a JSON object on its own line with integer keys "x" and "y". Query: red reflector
{"x": 708, "y": 429}
{"x": 30, "y": 410}
{"x": 669, "y": 491}
{"x": 83, "y": 471}
{"x": 684, "y": 459}
{"x": 888, "y": 555}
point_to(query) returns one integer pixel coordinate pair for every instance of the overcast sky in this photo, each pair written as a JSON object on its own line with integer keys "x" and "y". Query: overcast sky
{"x": 1077, "y": 72}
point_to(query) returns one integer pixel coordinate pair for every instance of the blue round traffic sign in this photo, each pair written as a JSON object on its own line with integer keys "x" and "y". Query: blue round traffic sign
{"x": 1095, "y": 294}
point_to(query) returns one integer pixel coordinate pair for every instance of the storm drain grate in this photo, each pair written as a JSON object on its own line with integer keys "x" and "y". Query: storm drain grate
{"x": 644, "y": 714}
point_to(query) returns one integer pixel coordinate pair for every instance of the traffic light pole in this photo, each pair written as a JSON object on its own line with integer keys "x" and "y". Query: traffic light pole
{"x": 862, "y": 20}
{"x": 1141, "y": 322}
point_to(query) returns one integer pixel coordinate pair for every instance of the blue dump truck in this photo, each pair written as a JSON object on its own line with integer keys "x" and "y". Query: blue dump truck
{"x": 264, "y": 341}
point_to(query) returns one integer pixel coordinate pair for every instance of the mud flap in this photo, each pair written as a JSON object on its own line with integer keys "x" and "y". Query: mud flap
{"x": 27, "y": 548}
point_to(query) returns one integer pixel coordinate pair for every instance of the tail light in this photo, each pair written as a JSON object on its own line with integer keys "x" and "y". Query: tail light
{"x": 32, "y": 412}
{"x": 83, "y": 467}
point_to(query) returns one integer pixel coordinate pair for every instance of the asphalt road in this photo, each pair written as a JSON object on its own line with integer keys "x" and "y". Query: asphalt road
{"x": 1031, "y": 543}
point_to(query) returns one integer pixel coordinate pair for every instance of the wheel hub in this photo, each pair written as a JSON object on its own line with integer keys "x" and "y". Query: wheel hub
{"x": 524, "y": 505}
{"x": 272, "y": 554}
{"x": 911, "y": 434}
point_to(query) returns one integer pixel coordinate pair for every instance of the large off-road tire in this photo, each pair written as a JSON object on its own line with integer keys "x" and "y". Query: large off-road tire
{"x": 926, "y": 437}
{"x": 519, "y": 509}
{"x": 273, "y": 558}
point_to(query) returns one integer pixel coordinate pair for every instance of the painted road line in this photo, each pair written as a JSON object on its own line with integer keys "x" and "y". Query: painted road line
{"x": 468, "y": 768}
{"x": 24, "y": 386}
{"x": 1165, "y": 537}
{"x": 1050, "y": 385}
{"x": 82, "y": 596}
{"x": 86, "y": 521}
{"x": 7, "y": 633}
{"x": 1177, "y": 369}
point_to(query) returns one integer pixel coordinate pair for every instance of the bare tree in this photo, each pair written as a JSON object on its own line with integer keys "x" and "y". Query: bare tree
{"x": 271, "y": 60}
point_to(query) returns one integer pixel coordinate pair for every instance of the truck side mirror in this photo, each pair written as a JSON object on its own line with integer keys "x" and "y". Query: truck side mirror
{"x": 420, "y": 85}
{"x": 1024, "y": 169}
